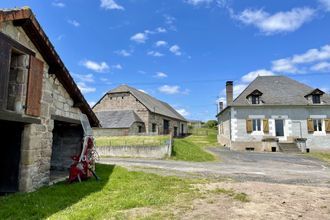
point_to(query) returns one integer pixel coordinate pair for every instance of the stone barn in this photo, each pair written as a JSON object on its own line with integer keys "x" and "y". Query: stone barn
{"x": 128, "y": 111}
{"x": 40, "y": 106}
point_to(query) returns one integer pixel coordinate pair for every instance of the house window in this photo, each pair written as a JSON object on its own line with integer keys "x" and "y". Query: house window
{"x": 140, "y": 129}
{"x": 154, "y": 127}
{"x": 317, "y": 124}
{"x": 256, "y": 123}
{"x": 255, "y": 99}
{"x": 316, "y": 99}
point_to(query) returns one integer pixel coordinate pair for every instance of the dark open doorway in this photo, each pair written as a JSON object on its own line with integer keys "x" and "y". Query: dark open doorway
{"x": 10, "y": 136}
{"x": 67, "y": 142}
{"x": 166, "y": 126}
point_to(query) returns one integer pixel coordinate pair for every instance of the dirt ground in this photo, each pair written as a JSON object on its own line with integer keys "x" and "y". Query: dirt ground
{"x": 277, "y": 186}
{"x": 267, "y": 201}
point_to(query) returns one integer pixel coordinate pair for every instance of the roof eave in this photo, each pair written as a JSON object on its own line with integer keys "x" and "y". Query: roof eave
{"x": 26, "y": 19}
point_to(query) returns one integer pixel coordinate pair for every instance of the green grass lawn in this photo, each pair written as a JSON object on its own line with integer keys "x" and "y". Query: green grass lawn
{"x": 117, "y": 190}
{"x": 325, "y": 156}
{"x": 204, "y": 137}
{"x": 131, "y": 141}
{"x": 191, "y": 147}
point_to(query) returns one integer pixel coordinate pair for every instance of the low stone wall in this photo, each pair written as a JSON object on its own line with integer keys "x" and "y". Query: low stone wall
{"x": 155, "y": 152}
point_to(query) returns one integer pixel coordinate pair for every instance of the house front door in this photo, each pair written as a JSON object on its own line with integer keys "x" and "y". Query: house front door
{"x": 279, "y": 127}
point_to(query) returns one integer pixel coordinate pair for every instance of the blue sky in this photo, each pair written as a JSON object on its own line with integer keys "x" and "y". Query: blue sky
{"x": 183, "y": 51}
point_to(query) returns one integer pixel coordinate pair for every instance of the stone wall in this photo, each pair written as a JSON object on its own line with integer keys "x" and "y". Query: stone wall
{"x": 123, "y": 101}
{"x": 37, "y": 139}
{"x": 224, "y": 128}
{"x": 126, "y": 101}
{"x": 18, "y": 78}
{"x": 159, "y": 121}
{"x": 155, "y": 152}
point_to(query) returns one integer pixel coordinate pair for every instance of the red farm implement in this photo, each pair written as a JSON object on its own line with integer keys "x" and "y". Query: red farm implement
{"x": 83, "y": 165}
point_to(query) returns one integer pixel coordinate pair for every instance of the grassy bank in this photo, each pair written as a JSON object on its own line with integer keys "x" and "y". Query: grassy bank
{"x": 325, "y": 156}
{"x": 117, "y": 190}
{"x": 191, "y": 147}
{"x": 131, "y": 141}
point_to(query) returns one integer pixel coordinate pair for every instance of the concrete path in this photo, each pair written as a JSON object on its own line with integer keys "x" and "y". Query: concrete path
{"x": 240, "y": 166}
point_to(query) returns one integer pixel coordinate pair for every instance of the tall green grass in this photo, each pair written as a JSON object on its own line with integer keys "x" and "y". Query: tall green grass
{"x": 117, "y": 190}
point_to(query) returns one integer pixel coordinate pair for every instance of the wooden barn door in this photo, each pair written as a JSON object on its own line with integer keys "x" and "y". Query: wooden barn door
{"x": 34, "y": 91}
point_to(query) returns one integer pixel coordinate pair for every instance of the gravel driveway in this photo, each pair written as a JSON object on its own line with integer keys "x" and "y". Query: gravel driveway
{"x": 240, "y": 166}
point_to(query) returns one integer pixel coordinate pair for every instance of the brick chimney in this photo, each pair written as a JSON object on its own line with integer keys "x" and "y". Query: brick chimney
{"x": 220, "y": 106}
{"x": 229, "y": 92}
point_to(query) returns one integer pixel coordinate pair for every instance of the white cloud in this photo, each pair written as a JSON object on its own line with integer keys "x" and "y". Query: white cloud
{"x": 299, "y": 63}
{"x": 198, "y": 2}
{"x": 160, "y": 43}
{"x": 84, "y": 78}
{"x": 155, "y": 54}
{"x": 160, "y": 75}
{"x": 95, "y": 66}
{"x": 111, "y": 5}
{"x": 170, "y": 22}
{"x": 124, "y": 53}
{"x": 321, "y": 67}
{"x": 60, "y": 37}
{"x": 141, "y": 90}
{"x": 169, "y": 89}
{"x": 279, "y": 22}
{"x": 284, "y": 66}
{"x": 142, "y": 37}
{"x": 183, "y": 112}
{"x": 161, "y": 30}
{"x": 91, "y": 104}
{"x": 58, "y": 4}
{"x": 325, "y": 4}
{"x": 169, "y": 19}
{"x": 84, "y": 88}
{"x": 74, "y": 23}
{"x": 249, "y": 77}
{"x": 117, "y": 66}
{"x": 175, "y": 49}
{"x": 139, "y": 37}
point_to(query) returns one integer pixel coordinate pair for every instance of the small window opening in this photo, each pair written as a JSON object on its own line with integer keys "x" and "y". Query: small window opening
{"x": 255, "y": 99}
{"x": 316, "y": 99}
{"x": 154, "y": 127}
{"x": 256, "y": 124}
{"x": 317, "y": 124}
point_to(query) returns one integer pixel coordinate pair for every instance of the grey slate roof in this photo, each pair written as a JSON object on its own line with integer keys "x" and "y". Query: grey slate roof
{"x": 278, "y": 90}
{"x": 151, "y": 103}
{"x": 118, "y": 119}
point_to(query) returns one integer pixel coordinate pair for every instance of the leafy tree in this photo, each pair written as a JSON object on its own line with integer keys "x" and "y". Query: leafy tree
{"x": 211, "y": 124}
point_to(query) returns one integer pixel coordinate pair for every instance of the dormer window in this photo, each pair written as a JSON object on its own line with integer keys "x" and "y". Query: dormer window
{"x": 315, "y": 96}
{"x": 316, "y": 99}
{"x": 255, "y": 97}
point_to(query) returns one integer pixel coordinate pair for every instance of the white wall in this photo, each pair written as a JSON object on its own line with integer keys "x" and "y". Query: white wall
{"x": 294, "y": 118}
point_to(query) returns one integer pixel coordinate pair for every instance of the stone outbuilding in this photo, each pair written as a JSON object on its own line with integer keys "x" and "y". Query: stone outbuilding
{"x": 128, "y": 111}
{"x": 275, "y": 113}
{"x": 40, "y": 106}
